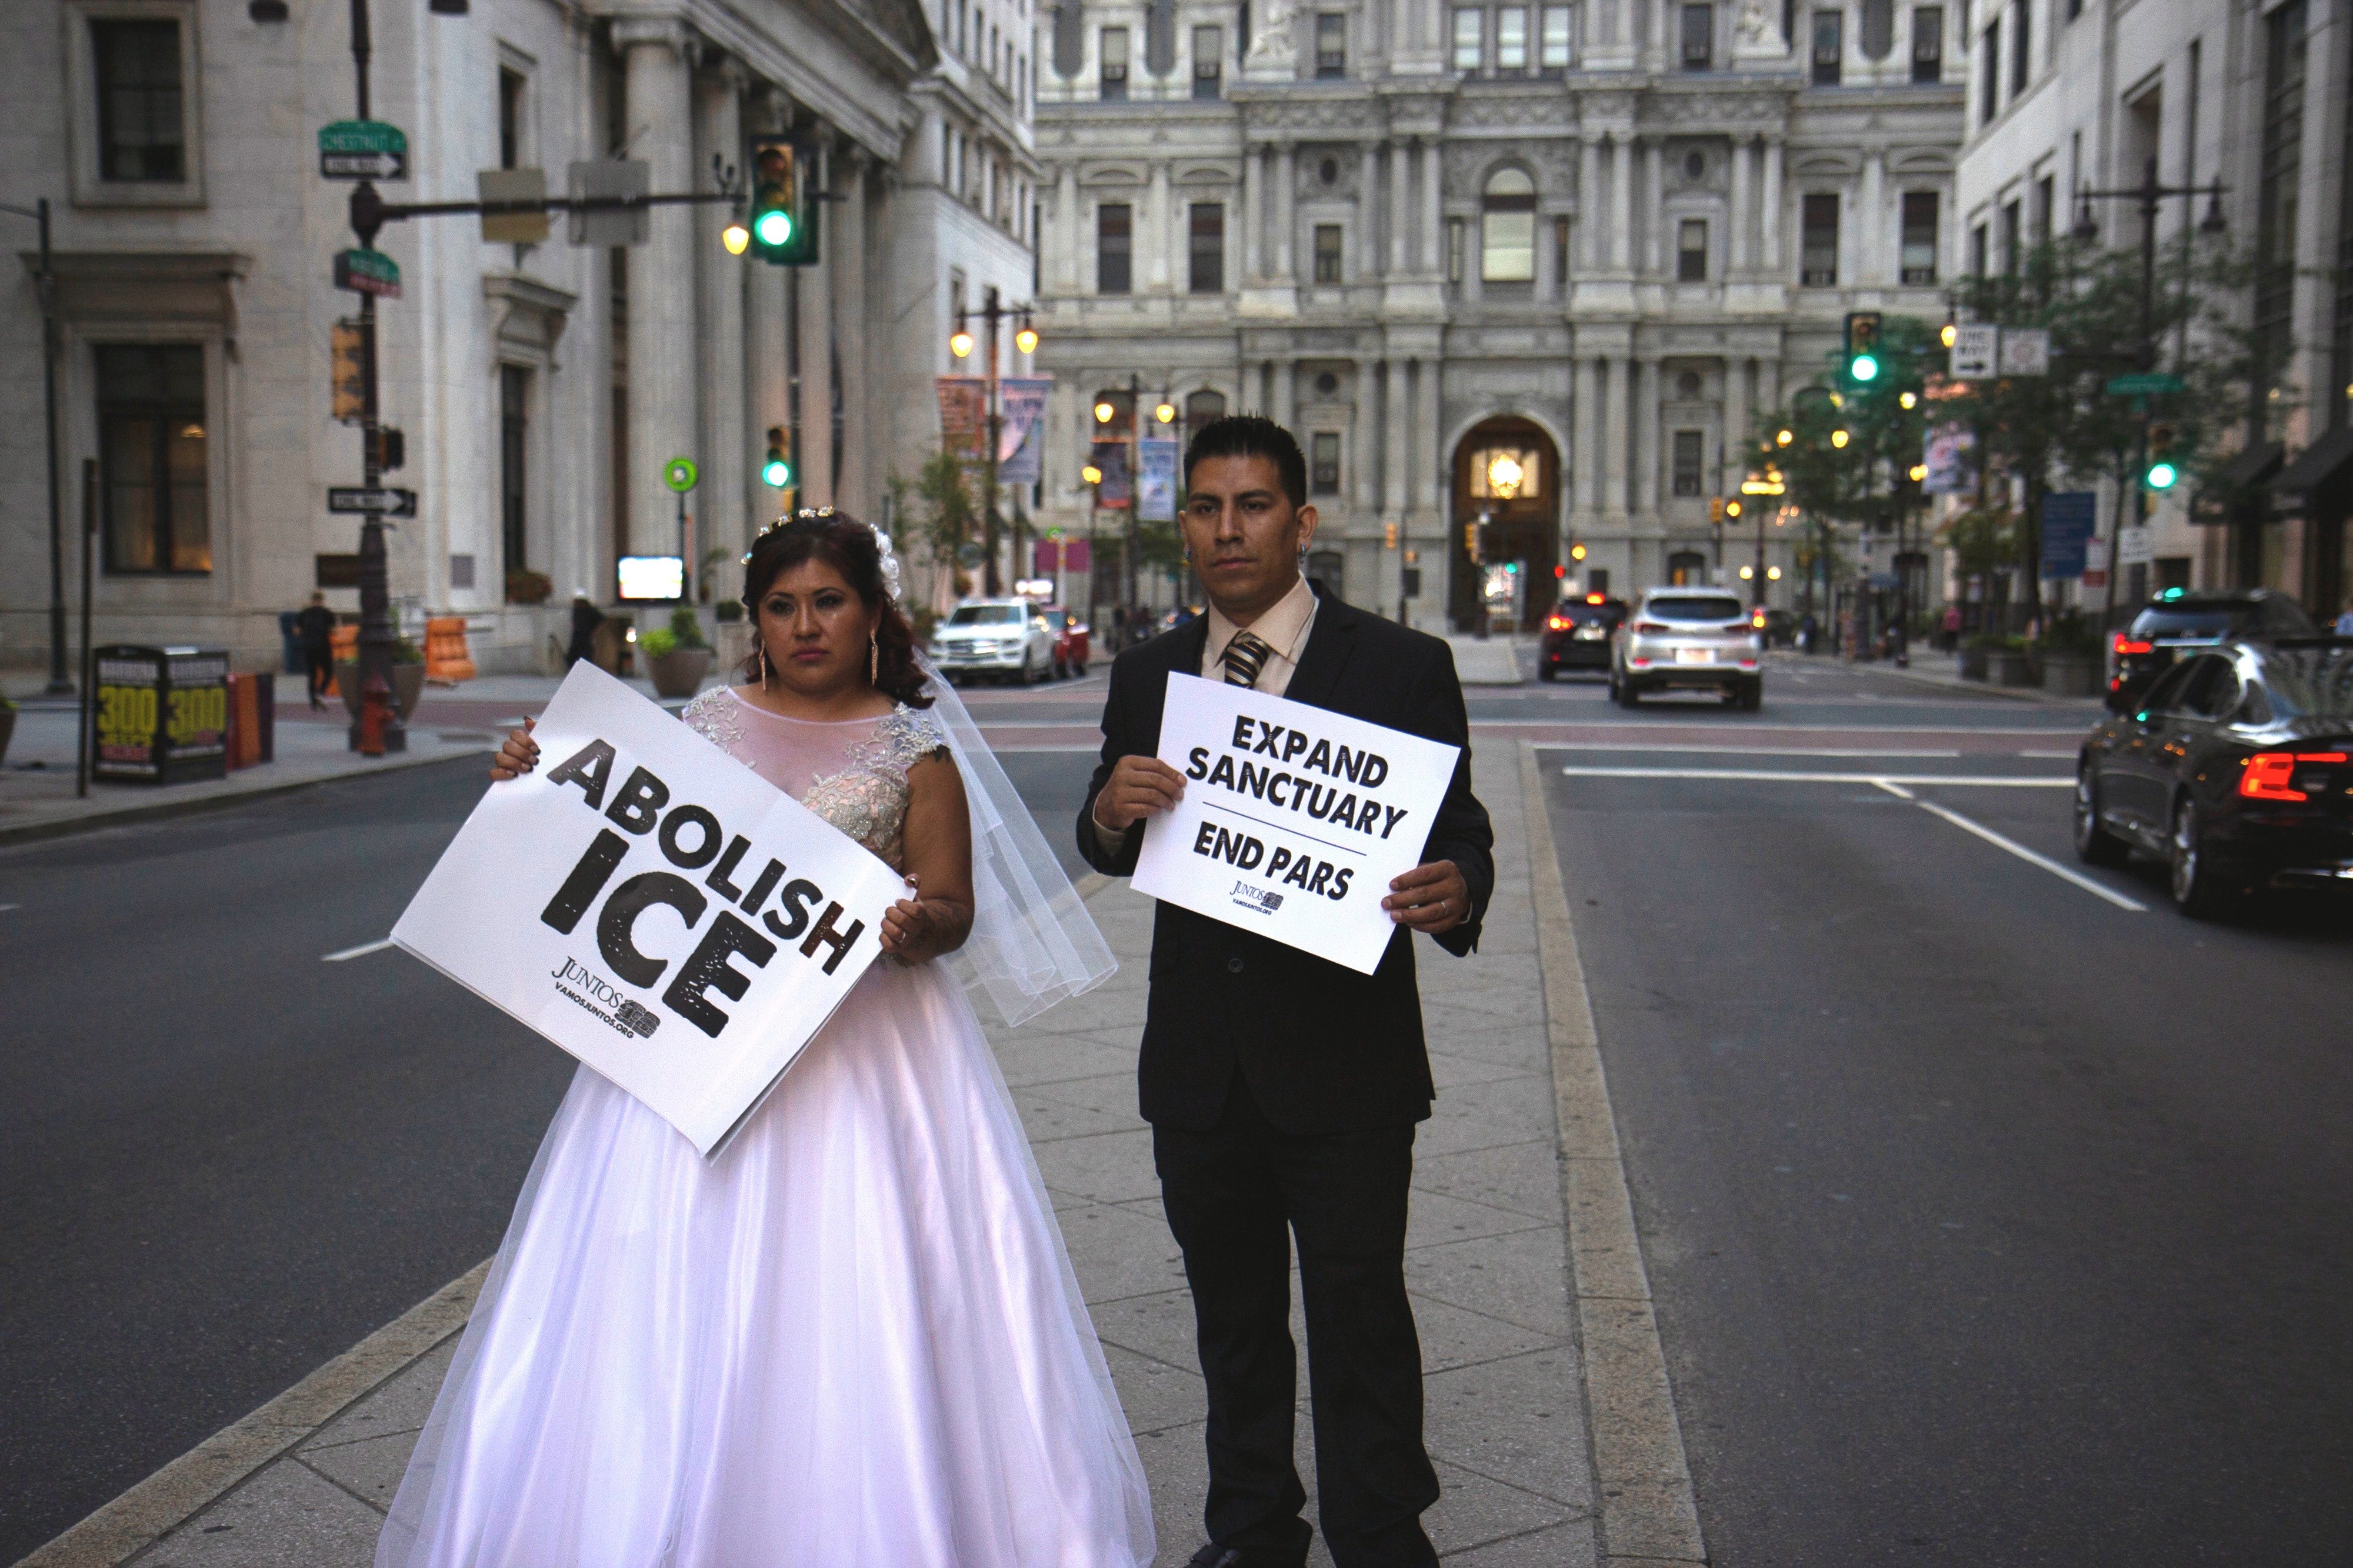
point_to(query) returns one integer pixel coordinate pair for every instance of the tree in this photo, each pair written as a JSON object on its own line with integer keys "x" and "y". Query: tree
{"x": 940, "y": 505}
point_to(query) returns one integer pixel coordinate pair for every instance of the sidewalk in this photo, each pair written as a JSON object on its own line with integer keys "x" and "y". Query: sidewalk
{"x": 1929, "y": 668}
{"x": 1506, "y": 1287}
{"x": 1486, "y": 661}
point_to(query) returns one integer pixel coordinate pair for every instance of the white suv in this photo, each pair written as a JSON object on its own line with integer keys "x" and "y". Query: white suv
{"x": 1004, "y": 638}
{"x": 1682, "y": 638}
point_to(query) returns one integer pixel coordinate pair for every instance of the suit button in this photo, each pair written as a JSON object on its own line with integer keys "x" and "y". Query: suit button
{"x": 1233, "y": 966}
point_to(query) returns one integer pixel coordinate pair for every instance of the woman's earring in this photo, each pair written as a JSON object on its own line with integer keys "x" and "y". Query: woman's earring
{"x": 873, "y": 658}
{"x": 764, "y": 664}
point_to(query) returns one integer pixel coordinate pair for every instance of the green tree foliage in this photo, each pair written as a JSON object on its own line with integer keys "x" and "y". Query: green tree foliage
{"x": 941, "y": 504}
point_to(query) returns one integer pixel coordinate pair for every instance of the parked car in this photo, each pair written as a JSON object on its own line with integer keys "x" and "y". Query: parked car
{"x": 1007, "y": 638}
{"x": 1071, "y": 639}
{"x": 1779, "y": 627}
{"x": 1576, "y": 635}
{"x": 2179, "y": 619}
{"x": 1684, "y": 638}
{"x": 2233, "y": 768}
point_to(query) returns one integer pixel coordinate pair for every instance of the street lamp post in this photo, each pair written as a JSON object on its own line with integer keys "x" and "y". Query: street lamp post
{"x": 993, "y": 314}
{"x": 44, "y": 287}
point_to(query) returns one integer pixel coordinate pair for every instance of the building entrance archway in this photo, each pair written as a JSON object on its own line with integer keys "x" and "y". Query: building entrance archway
{"x": 1507, "y": 500}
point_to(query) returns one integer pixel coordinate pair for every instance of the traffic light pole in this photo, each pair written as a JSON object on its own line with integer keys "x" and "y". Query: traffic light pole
{"x": 376, "y": 729}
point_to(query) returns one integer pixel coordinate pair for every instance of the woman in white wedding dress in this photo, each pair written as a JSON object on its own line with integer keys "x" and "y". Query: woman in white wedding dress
{"x": 853, "y": 1338}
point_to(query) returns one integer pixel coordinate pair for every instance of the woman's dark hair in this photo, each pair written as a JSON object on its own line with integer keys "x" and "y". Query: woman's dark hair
{"x": 848, "y": 546}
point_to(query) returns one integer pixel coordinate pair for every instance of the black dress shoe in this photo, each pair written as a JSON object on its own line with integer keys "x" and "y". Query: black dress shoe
{"x": 1216, "y": 1556}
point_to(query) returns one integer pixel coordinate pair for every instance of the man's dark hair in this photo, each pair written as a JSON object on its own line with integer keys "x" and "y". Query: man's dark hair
{"x": 1251, "y": 436}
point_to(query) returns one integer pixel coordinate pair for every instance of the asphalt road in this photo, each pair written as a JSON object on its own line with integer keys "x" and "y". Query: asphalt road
{"x": 1991, "y": 1222}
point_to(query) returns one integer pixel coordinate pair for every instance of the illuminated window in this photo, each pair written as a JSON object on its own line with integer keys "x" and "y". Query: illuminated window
{"x": 1507, "y": 228}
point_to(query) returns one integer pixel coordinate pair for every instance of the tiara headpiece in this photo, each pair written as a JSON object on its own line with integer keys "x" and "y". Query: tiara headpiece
{"x": 889, "y": 559}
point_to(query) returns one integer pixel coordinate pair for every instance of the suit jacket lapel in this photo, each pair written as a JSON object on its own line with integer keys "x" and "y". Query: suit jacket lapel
{"x": 1329, "y": 641}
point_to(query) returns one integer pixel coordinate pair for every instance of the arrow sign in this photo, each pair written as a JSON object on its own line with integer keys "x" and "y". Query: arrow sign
{"x": 382, "y": 500}
{"x": 368, "y": 272}
{"x": 363, "y": 149}
{"x": 2144, "y": 385}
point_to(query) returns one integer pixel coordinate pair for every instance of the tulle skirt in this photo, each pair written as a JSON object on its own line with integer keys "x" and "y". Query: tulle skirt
{"x": 852, "y": 1338}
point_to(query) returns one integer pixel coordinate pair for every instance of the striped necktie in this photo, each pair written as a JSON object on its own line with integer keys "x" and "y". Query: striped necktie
{"x": 1244, "y": 658}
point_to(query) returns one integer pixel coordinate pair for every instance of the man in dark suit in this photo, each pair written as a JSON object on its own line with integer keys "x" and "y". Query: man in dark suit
{"x": 1282, "y": 1089}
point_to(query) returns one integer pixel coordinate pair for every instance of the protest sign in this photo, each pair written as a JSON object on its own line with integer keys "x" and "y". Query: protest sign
{"x": 654, "y": 906}
{"x": 1293, "y": 820}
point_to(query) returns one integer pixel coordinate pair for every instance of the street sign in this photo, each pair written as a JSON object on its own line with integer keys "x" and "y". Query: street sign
{"x": 2070, "y": 521}
{"x": 363, "y": 149}
{"x": 368, "y": 272}
{"x": 609, "y": 177}
{"x": 1973, "y": 350}
{"x": 520, "y": 185}
{"x": 2025, "y": 351}
{"x": 2143, "y": 386}
{"x": 680, "y": 474}
{"x": 2135, "y": 546}
{"x": 384, "y": 500}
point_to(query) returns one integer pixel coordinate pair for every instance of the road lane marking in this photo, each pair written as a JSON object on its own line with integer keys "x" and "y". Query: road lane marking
{"x": 1746, "y": 751}
{"x": 360, "y": 952}
{"x": 2065, "y": 873}
{"x": 1766, "y": 775}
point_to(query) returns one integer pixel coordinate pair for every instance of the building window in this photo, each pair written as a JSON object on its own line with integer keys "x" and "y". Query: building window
{"x": 1507, "y": 228}
{"x": 1560, "y": 253}
{"x": 2280, "y": 175}
{"x": 1878, "y": 28}
{"x": 2021, "y": 61}
{"x": 1556, "y": 36}
{"x": 1208, "y": 56}
{"x": 1829, "y": 46}
{"x": 152, "y": 432}
{"x": 1919, "y": 257}
{"x": 2007, "y": 235}
{"x": 1511, "y": 41}
{"x": 1596, "y": 580}
{"x": 1977, "y": 251}
{"x": 1200, "y": 410}
{"x": 2046, "y": 208}
{"x": 1989, "y": 79}
{"x": 1817, "y": 256}
{"x": 515, "y": 428}
{"x": 1327, "y": 253}
{"x": 1699, "y": 37}
{"x": 1208, "y": 249}
{"x": 141, "y": 135}
{"x": 1927, "y": 44}
{"x": 1469, "y": 38}
{"x": 1690, "y": 462}
{"x": 1324, "y": 463}
{"x": 1690, "y": 250}
{"x": 511, "y": 85}
{"x": 1331, "y": 45}
{"x": 1113, "y": 64}
{"x": 1686, "y": 569}
{"x": 1115, "y": 248}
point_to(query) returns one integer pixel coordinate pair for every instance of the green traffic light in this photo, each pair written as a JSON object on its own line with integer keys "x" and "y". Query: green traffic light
{"x": 1863, "y": 367}
{"x": 775, "y": 473}
{"x": 2162, "y": 476}
{"x": 775, "y": 229}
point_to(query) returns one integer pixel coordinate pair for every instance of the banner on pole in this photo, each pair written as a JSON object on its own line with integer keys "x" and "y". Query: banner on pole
{"x": 1156, "y": 481}
{"x": 654, "y": 906}
{"x": 2070, "y": 518}
{"x": 1113, "y": 493}
{"x": 1951, "y": 454}
{"x": 963, "y": 413}
{"x": 1022, "y": 404}
{"x": 1293, "y": 820}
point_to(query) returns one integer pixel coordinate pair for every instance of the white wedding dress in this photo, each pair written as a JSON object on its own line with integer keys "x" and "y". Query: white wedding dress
{"x": 853, "y": 1339}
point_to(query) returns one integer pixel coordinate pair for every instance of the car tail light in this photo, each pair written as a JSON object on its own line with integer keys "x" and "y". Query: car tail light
{"x": 1757, "y": 620}
{"x": 2270, "y": 776}
{"x": 1558, "y": 624}
{"x": 1597, "y": 598}
{"x": 1650, "y": 628}
{"x": 2125, "y": 645}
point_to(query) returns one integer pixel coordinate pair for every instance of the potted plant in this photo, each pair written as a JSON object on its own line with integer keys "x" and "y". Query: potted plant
{"x": 677, "y": 656}
{"x": 2010, "y": 662}
{"x": 2070, "y": 655}
{"x": 526, "y": 587}
{"x": 1976, "y": 653}
{"x": 407, "y": 679}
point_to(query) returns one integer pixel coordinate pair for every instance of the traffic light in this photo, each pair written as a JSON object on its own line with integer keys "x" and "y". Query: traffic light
{"x": 782, "y": 210}
{"x": 1863, "y": 346}
{"x": 2163, "y": 470}
{"x": 1471, "y": 540}
{"x": 347, "y": 348}
{"x": 1731, "y": 509}
{"x": 1715, "y": 513}
{"x": 777, "y": 473}
{"x": 391, "y": 450}
{"x": 1388, "y": 535}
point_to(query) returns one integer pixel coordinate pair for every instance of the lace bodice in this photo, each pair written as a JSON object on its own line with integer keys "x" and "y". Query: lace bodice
{"x": 852, "y": 772}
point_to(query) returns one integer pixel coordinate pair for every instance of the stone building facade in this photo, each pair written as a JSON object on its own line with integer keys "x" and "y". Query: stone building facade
{"x": 541, "y": 387}
{"x": 2065, "y": 94}
{"x": 1600, "y": 238}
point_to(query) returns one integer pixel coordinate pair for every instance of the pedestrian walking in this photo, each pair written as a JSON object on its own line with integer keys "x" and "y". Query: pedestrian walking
{"x": 316, "y": 624}
{"x": 1284, "y": 1089}
{"x": 2344, "y": 620}
{"x": 586, "y": 618}
{"x": 853, "y": 1339}
{"x": 1952, "y": 628}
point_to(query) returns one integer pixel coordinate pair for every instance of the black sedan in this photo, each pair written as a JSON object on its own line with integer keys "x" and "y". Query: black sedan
{"x": 2178, "y": 622}
{"x": 2235, "y": 768}
{"x": 1576, "y": 635}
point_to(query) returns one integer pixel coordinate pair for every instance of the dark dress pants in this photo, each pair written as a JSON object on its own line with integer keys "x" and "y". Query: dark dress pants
{"x": 322, "y": 662}
{"x": 1236, "y": 1194}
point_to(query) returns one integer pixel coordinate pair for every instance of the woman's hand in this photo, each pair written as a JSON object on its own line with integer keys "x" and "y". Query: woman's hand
{"x": 518, "y": 756}
{"x": 915, "y": 930}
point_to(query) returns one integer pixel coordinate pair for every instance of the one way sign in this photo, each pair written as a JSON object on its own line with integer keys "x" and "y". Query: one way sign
{"x": 384, "y": 500}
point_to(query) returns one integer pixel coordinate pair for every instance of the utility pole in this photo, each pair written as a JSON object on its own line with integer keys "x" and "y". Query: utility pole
{"x": 377, "y": 731}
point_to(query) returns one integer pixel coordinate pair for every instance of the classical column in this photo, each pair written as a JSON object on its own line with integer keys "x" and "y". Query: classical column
{"x": 1433, "y": 216}
{"x": 1655, "y": 201}
{"x": 1286, "y": 210}
{"x": 1621, "y": 204}
{"x": 1585, "y": 437}
{"x": 1589, "y": 202}
{"x": 1769, "y": 384}
{"x": 1253, "y": 194}
{"x": 1363, "y": 478}
{"x": 1770, "y": 253}
{"x": 1614, "y": 451}
{"x": 1425, "y": 438}
{"x": 1646, "y": 437}
{"x": 1401, "y": 208}
{"x": 1155, "y": 228}
{"x": 1068, "y": 241}
{"x": 1871, "y": 231}
{"x": 729, "y": 464}
{"x": 1735, "y": 429}
{"x": 859, "y": 485}
{"x": 1286, "y": 392}
{"x": 662, "y": 340}
{"x": 1736, "y": 251}
{"x": 1399, "y": 425}
{"x": 1368, "y": 235}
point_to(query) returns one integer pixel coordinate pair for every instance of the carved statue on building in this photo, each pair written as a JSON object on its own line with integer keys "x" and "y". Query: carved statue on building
{"x": 1274, "y": 43}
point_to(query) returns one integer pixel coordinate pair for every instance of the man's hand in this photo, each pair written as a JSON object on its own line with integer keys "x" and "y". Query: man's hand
{"x": 1138, "y": 788}
{"x": 1431, "y": 897}
{"x": 519, "y": 755}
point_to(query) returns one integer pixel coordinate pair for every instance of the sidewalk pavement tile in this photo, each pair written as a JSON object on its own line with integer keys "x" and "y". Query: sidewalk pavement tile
{"x": 1521, "y": 1278}
{"x": 288, "y": 1516}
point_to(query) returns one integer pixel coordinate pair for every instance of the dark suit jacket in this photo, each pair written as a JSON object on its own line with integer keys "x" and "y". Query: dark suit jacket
{"x": 1322, "y": 1049}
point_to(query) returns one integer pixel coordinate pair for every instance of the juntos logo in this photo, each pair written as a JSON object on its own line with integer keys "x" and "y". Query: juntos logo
{"x": 597, "y": 995}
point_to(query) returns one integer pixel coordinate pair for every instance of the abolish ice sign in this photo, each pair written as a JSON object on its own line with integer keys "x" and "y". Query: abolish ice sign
{"x": 1293, "y": 820}
{"x": 654, "y": 906}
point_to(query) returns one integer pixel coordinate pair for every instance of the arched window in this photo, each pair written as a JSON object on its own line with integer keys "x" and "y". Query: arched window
{"x": 1686, "y": 569}
{"x": 1199, "y": 409}
{"x": 1507, "y": 228}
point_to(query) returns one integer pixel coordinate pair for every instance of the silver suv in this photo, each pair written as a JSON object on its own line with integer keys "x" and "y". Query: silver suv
{"x": 1683, "y": 639}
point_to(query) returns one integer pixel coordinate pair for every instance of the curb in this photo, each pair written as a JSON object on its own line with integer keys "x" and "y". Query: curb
{"x": 156, "y": 810}
{"x": 221, "y": 1463}
{"x": 1981, "y": 688}
{"x": 1643, "y": 1477}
